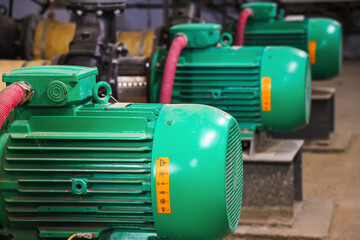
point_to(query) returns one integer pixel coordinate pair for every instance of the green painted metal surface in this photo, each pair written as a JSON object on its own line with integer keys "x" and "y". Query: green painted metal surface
{"x": 75, "y": 85}
{"x": 90, "y": 167}
{"x": 190, "y": 175}
{"x": 199, "y": 35}
{"x": 327, "y": 34}
{"x": 230, "y": 78}
{"x": 290, "y": 89}
{"x": 264, "y": 28}
{"x": 262, "y": 10}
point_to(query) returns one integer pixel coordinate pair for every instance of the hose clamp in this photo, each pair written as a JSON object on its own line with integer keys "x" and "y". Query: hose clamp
{"x": 28, "y": 90}
{"x": 182, "y": 35}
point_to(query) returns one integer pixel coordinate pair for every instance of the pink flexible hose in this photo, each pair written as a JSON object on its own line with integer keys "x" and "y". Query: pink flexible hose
{"x": 10, "y": 97}
{"x": 178, "y": 44}
{"x": 244, "y": 15}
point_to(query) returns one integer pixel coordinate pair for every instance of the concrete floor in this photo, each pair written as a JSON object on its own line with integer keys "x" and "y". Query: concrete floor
{"x": 337, "y": 175}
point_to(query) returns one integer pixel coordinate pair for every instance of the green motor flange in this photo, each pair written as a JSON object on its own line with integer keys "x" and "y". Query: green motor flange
{"x": 264, "y": 88}
{"x": 321, "y": 38}
{"x": 115, "y": 171}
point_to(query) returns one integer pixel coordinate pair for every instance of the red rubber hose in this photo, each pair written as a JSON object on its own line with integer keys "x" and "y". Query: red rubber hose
{"x": 10, "y": 97}
{"x": 244, "y": 15}
{"x": 178, "y": 44}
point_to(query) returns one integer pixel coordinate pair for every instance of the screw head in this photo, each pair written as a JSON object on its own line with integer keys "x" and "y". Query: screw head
{"x": 99, "y": 13}
{"x": 79, "y": 12}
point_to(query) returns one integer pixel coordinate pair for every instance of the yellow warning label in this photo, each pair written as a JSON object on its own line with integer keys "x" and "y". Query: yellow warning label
{"x": 162, "y": 185}
{"x": 266, "y": 93}
{"x": 312, "y": 52}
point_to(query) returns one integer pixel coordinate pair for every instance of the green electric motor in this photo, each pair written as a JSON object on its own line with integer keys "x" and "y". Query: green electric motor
{"x": 264, "y": 88}
{"x": 320, "y": 37}
{"x": 114, "y": 171}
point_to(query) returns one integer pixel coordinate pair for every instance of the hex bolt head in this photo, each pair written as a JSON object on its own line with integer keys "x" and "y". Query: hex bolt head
{"x": 79, "y": 12}
{"x": 99, "y": 13}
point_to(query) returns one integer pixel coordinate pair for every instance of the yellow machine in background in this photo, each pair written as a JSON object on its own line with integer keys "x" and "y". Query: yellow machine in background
{"x": 53, "y": 38}
{"x": 138, "y": 43}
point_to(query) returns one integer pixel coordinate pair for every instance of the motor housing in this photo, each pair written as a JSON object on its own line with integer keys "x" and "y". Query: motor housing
{"x": 114, "y": 171}
{"x": 321, "y": 38}
{"x": 264, "y": 88}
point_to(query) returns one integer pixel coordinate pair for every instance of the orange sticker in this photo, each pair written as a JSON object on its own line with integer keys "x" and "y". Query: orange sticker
{"x": 266, "y": 93}
{"x": 163, "y": 185}
{"x": 312, "y": 52}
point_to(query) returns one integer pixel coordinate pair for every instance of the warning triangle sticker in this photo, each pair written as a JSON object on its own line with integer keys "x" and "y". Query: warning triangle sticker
{"x": 162, "y": 162}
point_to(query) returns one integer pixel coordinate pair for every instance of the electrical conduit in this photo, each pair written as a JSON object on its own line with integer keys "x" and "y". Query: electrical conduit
{"x": 244, "y": 15}
{"x": 11, "y": 96}
{"x": 178, "y": 44}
